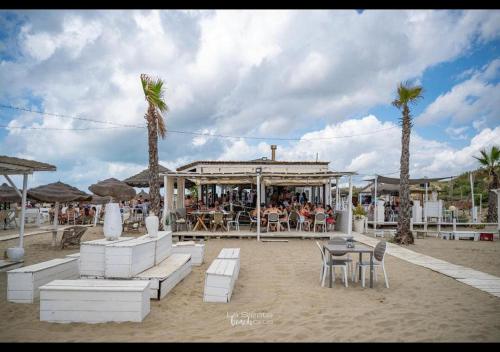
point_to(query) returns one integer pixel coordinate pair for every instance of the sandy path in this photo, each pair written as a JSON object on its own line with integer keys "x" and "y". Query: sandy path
{"x": 282, "y": 280}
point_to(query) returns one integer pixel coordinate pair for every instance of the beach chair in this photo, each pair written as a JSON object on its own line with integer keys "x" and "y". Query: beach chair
{"x": 284, "y": 219}
{"x": 343, "y": 256}
{"x": 236, "y": 221}
{"x": 293, "y": 218}
{"x": 273, "y": 218}
{"x": 378, "y": 261}
{"x": 181, "y": 218}
{"x": 336, "y": 263}
{"x": 303, "y": 221}
{"x": 130, "y": 223}
{"x": 72, "y": 236}
{"x": 11, "y": 218}
{"x": 218, "y": 220}
{"x": 253, "y": 221}
{"x": 320, "y": 220}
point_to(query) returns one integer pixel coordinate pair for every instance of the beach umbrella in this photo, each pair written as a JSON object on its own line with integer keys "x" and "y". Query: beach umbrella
{"x": 118, "y": 190}
{"x": 114, "y": 188}
{"x": 100, "y": 200}
{"x": 57, "y": 192}
{"x": 142, "y": 178}
{"x": 9, "y": 194}
{"x": 142, "y": 195}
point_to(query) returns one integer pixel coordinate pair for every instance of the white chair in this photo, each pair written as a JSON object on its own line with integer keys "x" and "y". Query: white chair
{"x": 285, "y": 219}
{"x": 303, "y": 221}
{"x": 273, "y": 218}
{"x": 336, "y": 263}
{"x": 236, "y": 221}
{"x": 343, "y": 256}
{"x": 378, "y": 261}
{"x": 320, "y": 219}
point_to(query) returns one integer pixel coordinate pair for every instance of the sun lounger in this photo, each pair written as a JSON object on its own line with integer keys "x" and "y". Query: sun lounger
{"x": 231, "y": 254}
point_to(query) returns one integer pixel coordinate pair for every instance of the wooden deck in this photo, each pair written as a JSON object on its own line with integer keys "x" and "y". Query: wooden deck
{"x": 181, "y": 235}
{"x": 482, "y": 281}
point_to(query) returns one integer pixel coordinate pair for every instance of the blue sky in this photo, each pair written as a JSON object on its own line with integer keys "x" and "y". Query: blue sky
{"x": 320, "y": 75}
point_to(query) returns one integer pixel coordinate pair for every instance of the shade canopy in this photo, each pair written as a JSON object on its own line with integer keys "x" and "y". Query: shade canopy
{"x": 57, "y": 192}
{"x": 100, "y": 200}
{"x": 414, "y": 181}
{"x": 112, "y": 187}
{"x": 142, "y": 178}
{"x": 16, "y": 166}
{"x": 9, "y": 194}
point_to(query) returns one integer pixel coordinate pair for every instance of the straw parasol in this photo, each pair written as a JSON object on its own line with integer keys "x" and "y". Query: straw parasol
{"x": 8, "y": 194}
{"x": 142, "y": 195}
{"x": 100, "y": 200}
{"x": 142, "y": 178}
{"x": 57, "y": 192}
{"x": 113, "y": 188}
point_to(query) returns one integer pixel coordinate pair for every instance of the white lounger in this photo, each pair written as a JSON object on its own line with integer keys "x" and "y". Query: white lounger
{"x": 94, "y": 301}
{"x": 166, "y": 275}
{"x": 126, "y": 259}
{"x": 231, "y": 254}
{"x": 163, "y": 245}
{"x": 219, "y": 281}
{"x": 23, "y": 283}
{"x": 196, "y": 250}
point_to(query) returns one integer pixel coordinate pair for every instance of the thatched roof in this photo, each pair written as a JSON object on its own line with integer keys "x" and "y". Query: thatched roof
{"x": 142, "y": 178}
{"x": 115, "y": 188}
{"x": 142, "y": 195}
{"x": 57, "y": 192}
{"x": 8, "y": 194}
{"x": 15, "y": 166}
{"x": 100, "y": 200}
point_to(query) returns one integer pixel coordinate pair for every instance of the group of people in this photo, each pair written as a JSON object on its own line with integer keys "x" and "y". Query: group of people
{"x": 71, "y": 213}
{"x": 305, "y": 213}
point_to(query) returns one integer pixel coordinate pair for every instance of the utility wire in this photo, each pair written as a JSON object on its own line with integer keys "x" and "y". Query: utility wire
{"x": 168, "y": 131}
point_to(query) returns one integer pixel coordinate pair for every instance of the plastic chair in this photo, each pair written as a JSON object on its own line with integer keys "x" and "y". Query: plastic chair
{"x": 273, "y": 218}
{"x": 336, "y": 263}
{"x": 378, "y": 261}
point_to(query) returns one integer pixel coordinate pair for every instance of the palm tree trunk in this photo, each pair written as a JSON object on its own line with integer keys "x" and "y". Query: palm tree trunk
{"x": 403, "y": 234}
{"x": 492, "y": 199}
{"x": 154, "y": 177}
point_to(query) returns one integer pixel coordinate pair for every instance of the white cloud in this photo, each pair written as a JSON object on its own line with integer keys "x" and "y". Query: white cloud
{"x": 457, "y": 133}
{"x": 261, "y": 73}
{"x": 473, "y": 99}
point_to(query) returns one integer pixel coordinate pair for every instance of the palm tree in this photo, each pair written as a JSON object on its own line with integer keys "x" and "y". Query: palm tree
{"x": 491, "y": 164}
{"x": 153, "y": 92}
{"x": 406, "y": 95}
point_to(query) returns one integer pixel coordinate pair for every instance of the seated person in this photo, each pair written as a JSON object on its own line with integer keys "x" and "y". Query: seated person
{"x": 319, "y": 209}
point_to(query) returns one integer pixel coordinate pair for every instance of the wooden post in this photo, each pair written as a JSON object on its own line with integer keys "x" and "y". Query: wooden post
{"x": 375, "y": 213}
{"x": 411, "y": 224}
{"x": 454, "y": 224}
{"x": 473, "y": 215}
{"x": 56, "y": 223}
{"x": 337, "y": 194}
{"x": 165, "y": 201}
{"x": 258, "y": 207}
{"x": 23, "y": 210}
{"x": 181, "y": 190}
{"x": 349, "y": 208}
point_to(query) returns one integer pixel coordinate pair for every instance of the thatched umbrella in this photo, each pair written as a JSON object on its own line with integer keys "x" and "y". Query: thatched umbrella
{"x": 114, "y": 188}
{"x": 118, "y": 190}
{"x": 142, "y": 195}
{"x": 8, "y": 194}
{"x": 142, "y": 178}
{"x": 100, "y": 200}
{"x": 57, "y": 192}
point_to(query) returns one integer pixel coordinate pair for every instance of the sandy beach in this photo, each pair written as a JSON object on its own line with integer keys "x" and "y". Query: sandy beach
{"x": 279, "y": 288}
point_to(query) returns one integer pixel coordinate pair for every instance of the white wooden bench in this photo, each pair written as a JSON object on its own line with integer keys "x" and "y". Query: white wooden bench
{"x": 220, "y": 278}
{"x": 94, "y": 301}
{"x": 23, "y": 283}
{"x": 196, "y": 250}
{"x": 466, "y": 234}
{"x": 77, "y": 256}
{"x": 128, "y": 258}
{"x": 92, "y": 262}
{"x": 163, "y": 245}
{"x": 231, "y": 254}
{"x": 165, "y": 276}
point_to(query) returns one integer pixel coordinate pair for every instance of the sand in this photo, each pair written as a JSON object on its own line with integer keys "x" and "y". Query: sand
{"x": 280, "y": 282}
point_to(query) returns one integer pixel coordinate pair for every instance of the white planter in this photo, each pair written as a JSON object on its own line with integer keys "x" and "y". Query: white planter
{"x": 359, "y": 225}
{"x": 15, "y": 253}
{"x": 112, "y": 222}
{"x": 152, "y": 224}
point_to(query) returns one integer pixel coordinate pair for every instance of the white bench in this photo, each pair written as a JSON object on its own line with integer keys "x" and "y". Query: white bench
{"x": 466, "y": 234}
{"x": 128, "y": 258}
{"x": 196, "y": 250}
{"x": 219, "y": 281}
{"x": 92, "y": 262}
{"x": 77, "y": 256}
{"x": 163, "y": 245}
{"x": 231, "y": 254}
{"x": 23, "y": 283}
{"x": 94, "y": 301}
{"x": 165, "y": 276}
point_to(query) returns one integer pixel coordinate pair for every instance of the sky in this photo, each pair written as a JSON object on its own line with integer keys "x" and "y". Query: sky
{"x": 321, "y": 81}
